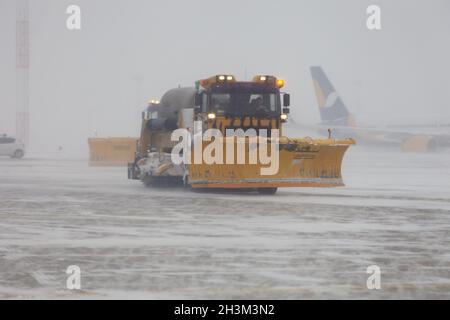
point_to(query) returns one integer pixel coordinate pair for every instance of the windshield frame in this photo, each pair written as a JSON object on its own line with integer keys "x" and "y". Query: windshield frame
{"x": 243, "y": 88}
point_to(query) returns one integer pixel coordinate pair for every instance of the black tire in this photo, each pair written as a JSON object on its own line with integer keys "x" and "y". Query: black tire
{"x": 18, "y": 154}
{"x": 163, "y": 181}
{"x": 267, "y": 190}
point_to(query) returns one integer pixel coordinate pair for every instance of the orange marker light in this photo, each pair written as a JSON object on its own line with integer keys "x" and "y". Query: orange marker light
{"x": 280, "y": 83}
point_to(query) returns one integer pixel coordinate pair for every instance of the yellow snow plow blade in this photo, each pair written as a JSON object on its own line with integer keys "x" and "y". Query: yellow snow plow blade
{"x": 302, "y": 163}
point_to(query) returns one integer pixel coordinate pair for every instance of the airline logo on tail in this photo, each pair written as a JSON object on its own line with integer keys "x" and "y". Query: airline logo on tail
{"x": 332, "y": 109}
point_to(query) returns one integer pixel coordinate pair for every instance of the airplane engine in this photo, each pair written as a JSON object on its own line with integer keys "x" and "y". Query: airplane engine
{"x": 419, "y": 143}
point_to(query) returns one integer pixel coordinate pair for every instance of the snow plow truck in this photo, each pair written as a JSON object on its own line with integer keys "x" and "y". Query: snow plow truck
{"x": 228, "y": 134}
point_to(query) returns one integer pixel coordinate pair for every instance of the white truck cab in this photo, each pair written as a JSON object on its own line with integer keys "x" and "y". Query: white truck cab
{"x": 11, "y": 147}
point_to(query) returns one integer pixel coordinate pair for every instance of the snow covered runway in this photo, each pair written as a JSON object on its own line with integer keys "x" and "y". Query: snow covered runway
{"x": 135, "y": 242}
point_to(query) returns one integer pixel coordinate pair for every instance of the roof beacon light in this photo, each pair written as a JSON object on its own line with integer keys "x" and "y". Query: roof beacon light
{"x": 221, "y": 78}
{"x": 270, "y": 80}
{"x": 280, "y": 83}
{"x": 153, "y": 101}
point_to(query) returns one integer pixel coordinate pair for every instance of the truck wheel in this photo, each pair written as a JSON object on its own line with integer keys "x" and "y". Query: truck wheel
{"x": 18, "y": 154}
{"x": 267, "y": 190}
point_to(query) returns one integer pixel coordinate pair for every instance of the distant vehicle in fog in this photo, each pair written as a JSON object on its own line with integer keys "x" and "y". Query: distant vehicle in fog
{"x": 11, "y": 147}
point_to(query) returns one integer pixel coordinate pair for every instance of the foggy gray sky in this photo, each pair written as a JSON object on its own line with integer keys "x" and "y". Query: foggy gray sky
{"x": 99, "y": 78}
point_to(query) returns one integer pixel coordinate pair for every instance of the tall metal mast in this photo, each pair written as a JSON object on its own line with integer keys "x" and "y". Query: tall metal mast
{"x": 22, "y": 71}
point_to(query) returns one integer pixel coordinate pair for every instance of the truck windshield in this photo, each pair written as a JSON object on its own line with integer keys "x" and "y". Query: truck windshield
{"x": 244, "y": 103}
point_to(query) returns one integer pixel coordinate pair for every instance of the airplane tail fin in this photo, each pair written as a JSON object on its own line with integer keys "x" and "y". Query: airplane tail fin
{"x": 332, "y": 109}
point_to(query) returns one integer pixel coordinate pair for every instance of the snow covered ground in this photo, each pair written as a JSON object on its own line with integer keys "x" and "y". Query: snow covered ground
{"x": 135, "y": 242}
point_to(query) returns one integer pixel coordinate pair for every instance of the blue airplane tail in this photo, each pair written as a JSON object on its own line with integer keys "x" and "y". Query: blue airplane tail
{"x": 332, "y": 109}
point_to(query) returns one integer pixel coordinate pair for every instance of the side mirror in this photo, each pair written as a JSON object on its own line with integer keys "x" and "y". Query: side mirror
{"x": 286, "y": 110}
{"x": 198, "y": 100}
{"x": 286, "y": 100}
